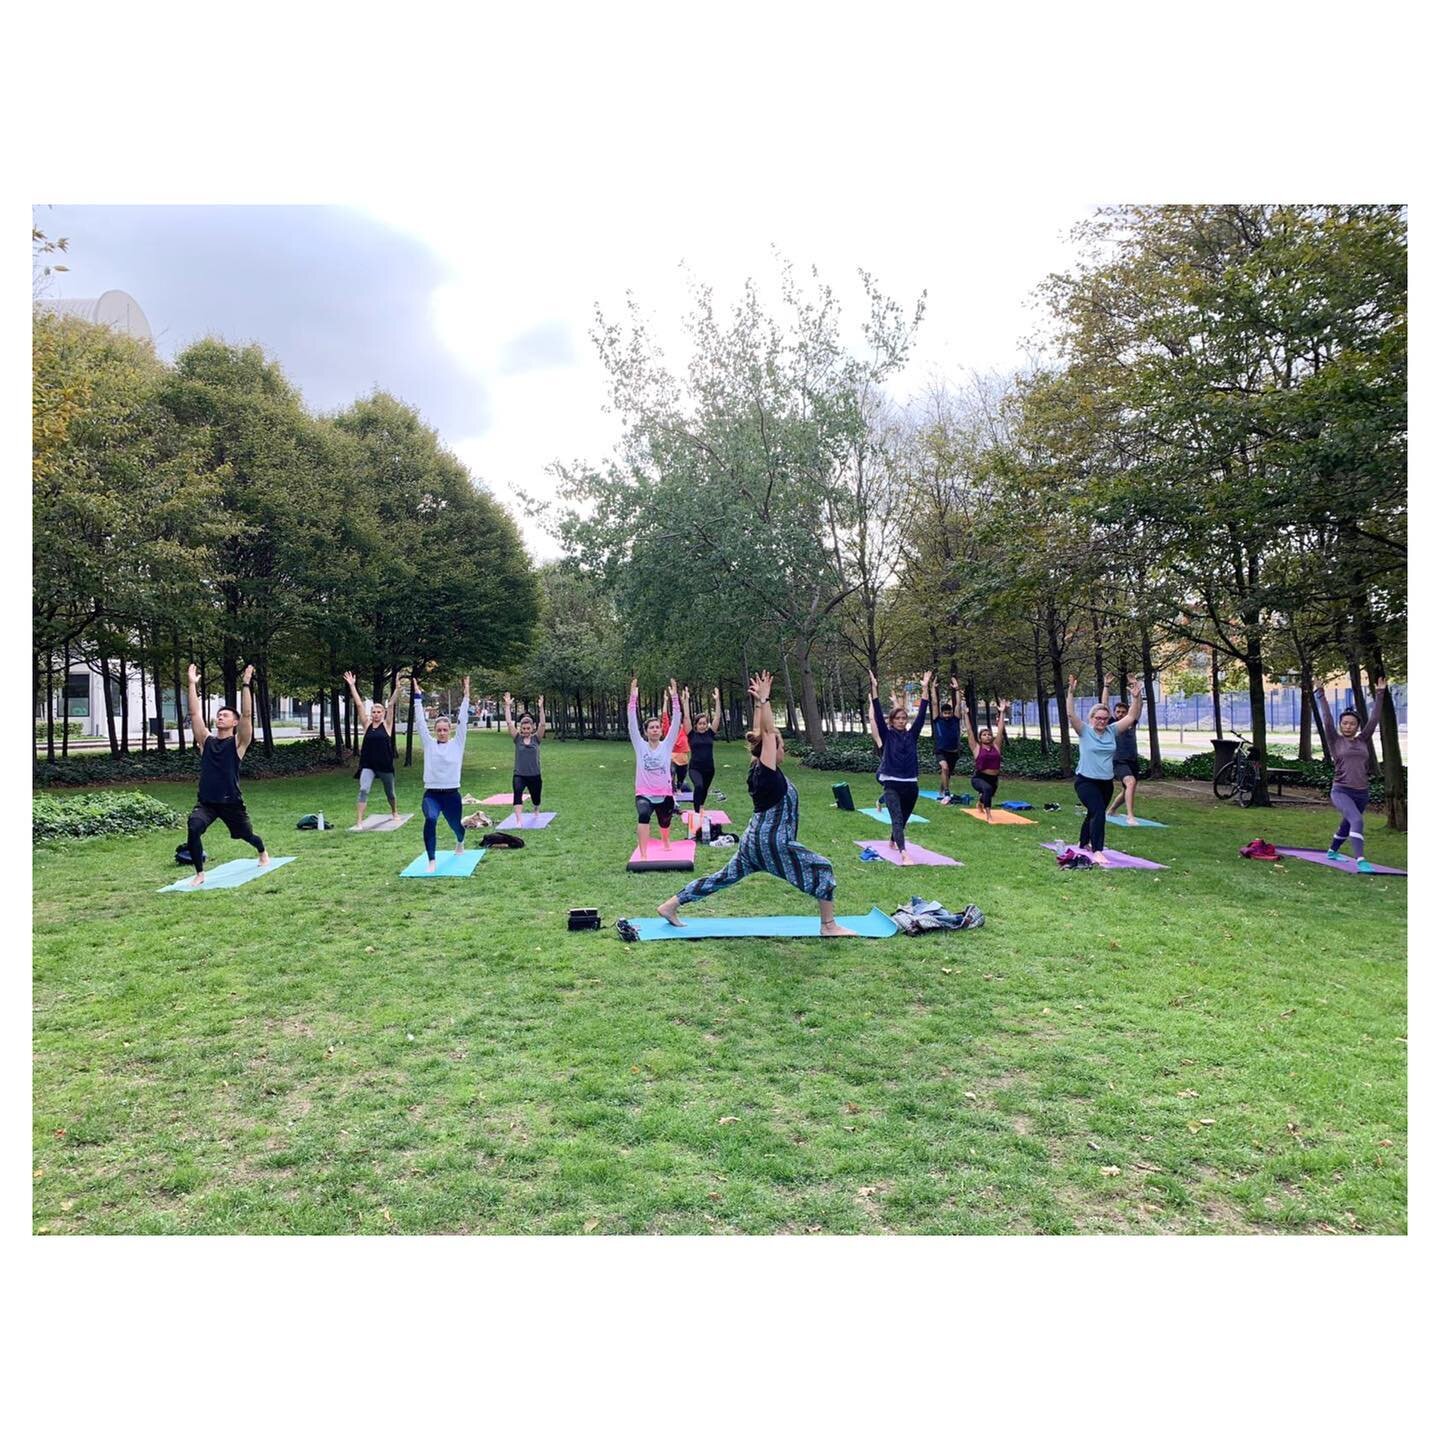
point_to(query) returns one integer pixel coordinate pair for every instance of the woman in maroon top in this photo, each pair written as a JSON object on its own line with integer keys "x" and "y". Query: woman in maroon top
{"x": 1350, "y": 791}
{"x": 986, "y": 749}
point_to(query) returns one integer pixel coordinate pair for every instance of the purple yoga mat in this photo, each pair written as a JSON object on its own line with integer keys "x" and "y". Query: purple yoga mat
{"x": 1118, "y": 859}
{"x": 1317, "y": 857}
{"x": 918, "y": 854}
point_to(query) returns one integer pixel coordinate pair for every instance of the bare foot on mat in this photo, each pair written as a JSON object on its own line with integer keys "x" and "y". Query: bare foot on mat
{"x": 834, "y": 930}
{"x": 670, "y": 910}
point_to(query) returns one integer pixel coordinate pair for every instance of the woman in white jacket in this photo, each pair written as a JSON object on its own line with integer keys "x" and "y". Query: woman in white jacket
{"x": 444, "y": 754}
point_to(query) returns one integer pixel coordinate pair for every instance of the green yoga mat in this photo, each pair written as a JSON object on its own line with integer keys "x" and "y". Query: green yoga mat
{"x": 447, "y": 865}
{"x": 875, "y": 813}
{"x": 877, "y": 925}
{"x": 228, "y": 875}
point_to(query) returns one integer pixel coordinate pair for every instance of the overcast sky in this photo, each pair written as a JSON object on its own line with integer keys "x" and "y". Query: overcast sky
{"x": 480, "y": 317}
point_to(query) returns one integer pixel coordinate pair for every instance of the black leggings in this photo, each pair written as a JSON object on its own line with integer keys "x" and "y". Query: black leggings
{"x": 1095, "y": 796}
{"x": 987, "y": 785}
{"x": 700, "y": 778}
{"x": 522, "y": 783}
{"x": 237, "y": 822}
{"x": 900, "y": 798}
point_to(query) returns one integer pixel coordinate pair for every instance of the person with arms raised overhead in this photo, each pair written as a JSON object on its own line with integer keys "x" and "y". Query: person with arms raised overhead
{"x": 1350, "y": 790}
{"x": 444, "y": 755}
{"x": 654, "y": 790}
{"x": 221, "y": 752}
{"x": 770, "y": 840}
{"x": 899, "y": 771}
{"x": 377, "y": 748}
{"x": 527, "y": 736}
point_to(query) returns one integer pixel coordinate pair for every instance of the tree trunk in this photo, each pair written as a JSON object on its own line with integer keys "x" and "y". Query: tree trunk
{"x": 144, "y": 699}
{"x": 410, "y": 729}
{"x": 124, "y": 685}
{"x": 809, "y": 704}
{"x": 335, "y": 717}
{"x": 1255, "y": 674}
{"x": 1147, "y": 673}
{"x": 1215, "y": 691}
{"x": 1307, "y": 685}
{"x": 104, "y": 664}
{"x": 50, "y": 707}
{"x": 1099, "y": 651}
{"x": 320, "y": 705}
{"x": 262, "y": 699}
{"x": 1041, "y": 700}
{"x": 1057, "y": 678}
{"x": 65, "y": 701}
{"x": 179, "y": 697}
{"x": 791, "y": 729}
{"x": 1392, "y": 768}
{"x": 1320, "y": 727}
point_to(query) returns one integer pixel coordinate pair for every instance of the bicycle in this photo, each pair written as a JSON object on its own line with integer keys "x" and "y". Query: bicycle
{"x": 1237, "y": 779}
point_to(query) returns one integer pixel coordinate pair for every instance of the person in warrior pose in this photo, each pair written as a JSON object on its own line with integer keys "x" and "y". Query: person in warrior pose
{"x": 702, "y": 750}
{"x": 221, "y": 752}
{"x": 945, "y": 730}
{"x": 654, "y": 792}
{"x": 377, "y": 748}
{"x": 1095, "y": 775}
{"x": 985, "y": 747}
{"x": 769, "y": 842}
{"x": 527, "y": 737}
{"x": 680, "y": 755}
{"x": 899, "y": 772}
{"x": 1350, "y": 789}
{"x": 444, "y": 754}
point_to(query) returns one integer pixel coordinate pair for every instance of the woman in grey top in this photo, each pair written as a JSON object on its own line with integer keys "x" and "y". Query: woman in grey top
{"x": 527, "y": 737}
{"x": 1350, "y": 791}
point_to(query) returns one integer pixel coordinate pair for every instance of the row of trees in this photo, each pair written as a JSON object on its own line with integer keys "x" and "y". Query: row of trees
{"x": 1211, "y": 459}
{"x": 198, "y": 511}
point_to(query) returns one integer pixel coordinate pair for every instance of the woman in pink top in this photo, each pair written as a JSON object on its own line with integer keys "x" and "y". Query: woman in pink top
{"x": 985, "y": 747}
{"x": 654, "y": 792}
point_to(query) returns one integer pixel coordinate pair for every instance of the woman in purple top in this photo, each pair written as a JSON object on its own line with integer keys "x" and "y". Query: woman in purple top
{"x": 985, "y": 747}
{"x": 654, "y": 790}
{"x": 1350, "y": 792}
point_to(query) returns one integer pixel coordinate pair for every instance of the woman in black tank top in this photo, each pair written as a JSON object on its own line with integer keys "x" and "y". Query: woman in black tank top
{"x": 377, "y": 748}
{"x": 702, "y": 750}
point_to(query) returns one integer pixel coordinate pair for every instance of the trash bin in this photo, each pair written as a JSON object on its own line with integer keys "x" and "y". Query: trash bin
{"x": 1224, "y": 752}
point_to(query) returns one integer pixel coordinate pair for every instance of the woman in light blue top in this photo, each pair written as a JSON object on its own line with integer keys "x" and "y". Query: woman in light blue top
{"x": 1095, "y": 775}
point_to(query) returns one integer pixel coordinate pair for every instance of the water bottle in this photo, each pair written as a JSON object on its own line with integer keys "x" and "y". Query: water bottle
{"x": 320, "y": 821}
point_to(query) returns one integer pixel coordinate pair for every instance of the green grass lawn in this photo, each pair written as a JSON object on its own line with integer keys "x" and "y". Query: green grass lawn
{"x": 1218, "y": 1047}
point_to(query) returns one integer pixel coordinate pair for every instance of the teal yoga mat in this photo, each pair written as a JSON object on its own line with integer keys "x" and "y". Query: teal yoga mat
{"x": 1121, "y": 820}
{"x": 447, "y": 865}
{"x": 929, "y": 794}
{"x": 228, "y": 875}
{"x": 875, "y": 813}
{"x": 877, "y": 925}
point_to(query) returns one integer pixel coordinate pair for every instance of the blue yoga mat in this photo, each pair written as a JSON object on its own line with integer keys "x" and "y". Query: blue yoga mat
{"x": 929, "y": 794}
{"x": 875, "y": 813}
{"x": 877, "y": 925}
{"x": 1121, "y": 820}
{"x": 228, "y": 875}
{"x": 447, "y": 864}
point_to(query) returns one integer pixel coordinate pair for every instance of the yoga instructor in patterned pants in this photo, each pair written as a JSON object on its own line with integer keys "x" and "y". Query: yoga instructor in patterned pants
{"x": 769, "y": 842}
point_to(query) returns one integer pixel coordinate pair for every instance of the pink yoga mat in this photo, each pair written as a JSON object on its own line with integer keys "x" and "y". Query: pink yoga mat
{"x": 918, "y": 854}
{"x": 1118, "y": 859}
{"x": 716, "y": 817}
{"x": 679, "y": 850}
{"x": 1317, "y": 857}
{"x": 527, "y": 822}
{"x": 506, "y": 799}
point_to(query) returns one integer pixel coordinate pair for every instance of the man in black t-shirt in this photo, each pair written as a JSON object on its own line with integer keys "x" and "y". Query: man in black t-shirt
{"x": 219, "y": 795}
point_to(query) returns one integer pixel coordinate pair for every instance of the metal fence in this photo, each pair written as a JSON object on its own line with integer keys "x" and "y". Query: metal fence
{"x": 1197, "y": 712}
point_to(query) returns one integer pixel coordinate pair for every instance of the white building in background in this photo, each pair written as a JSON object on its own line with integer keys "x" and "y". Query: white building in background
{"x": 114, "y": 309}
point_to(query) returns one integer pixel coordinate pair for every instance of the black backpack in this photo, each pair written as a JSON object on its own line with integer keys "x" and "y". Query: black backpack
{"x": 841, "y": 791}
{"x": 182, "y": 854}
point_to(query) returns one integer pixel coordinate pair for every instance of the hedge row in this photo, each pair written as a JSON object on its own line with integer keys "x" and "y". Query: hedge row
{"x": 298, "y": 758}
{"x": 76, "y": 728}
{"x": 856, "y": 755}
{"x": 107, "y": 813}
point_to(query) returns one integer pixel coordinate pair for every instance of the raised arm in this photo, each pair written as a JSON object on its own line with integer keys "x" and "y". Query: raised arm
{"x": 1377, "y": 704}
{"x": 715, "y": 718}
{"x": 1137, "y": 704}
{"x": 1327, "y": 720}
{"x": 1076, "y": 723}
{"x": 509, "y": 718}
{"x": 685, "y": 723}
{"x": 393, "y": 704}
{"x": 1003, "y": 710}
{"x": 667, "y": 745}
{"x": 636, "y": 738}
{"x": 355, "y": 700}
{"x": 420, "y": 722}
{"x": 198, "y": 728}
{"x": 245, "y": 730}
{"x": 1105, "y": 692}
{"x": 462, "y": 720}
{"x": 919, "y": 721}
{"x": 765, "y": 719}
{"x": 970, "y": 734}
{"x": 540, "y": 724}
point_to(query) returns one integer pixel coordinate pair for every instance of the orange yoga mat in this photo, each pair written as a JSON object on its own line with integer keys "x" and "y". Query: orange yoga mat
{"x": 997, "y": 815}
